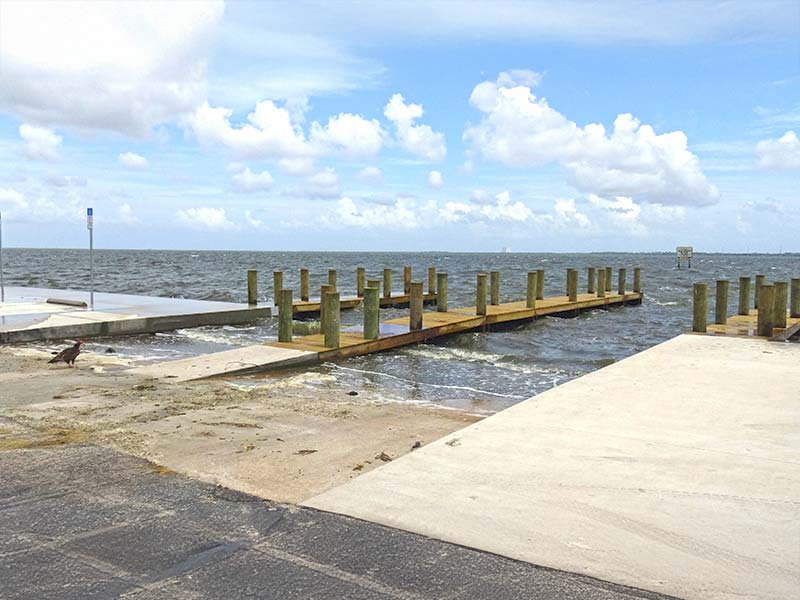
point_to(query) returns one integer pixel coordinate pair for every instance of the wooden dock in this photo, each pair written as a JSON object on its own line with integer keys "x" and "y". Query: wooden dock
{"x": 747, "y": 325}
{"x": 393, "y": 333}
{"x": 311, "y": 308}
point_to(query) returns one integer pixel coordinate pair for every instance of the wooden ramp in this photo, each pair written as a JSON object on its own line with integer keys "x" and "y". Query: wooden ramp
{"x": 394, "y": 333}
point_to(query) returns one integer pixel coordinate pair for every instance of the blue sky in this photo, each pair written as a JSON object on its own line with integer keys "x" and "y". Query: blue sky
{"x": 569, "y": 126}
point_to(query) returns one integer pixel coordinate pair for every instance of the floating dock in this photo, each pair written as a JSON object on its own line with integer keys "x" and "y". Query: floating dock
{"x": 675, "y": 470}
{"x": 394, "y": 333}
{"x": 28, "y": 316}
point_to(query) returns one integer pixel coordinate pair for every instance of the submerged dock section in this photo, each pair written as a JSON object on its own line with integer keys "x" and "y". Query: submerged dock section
{"x": 336, "y": 342}
{"x": 766, "y": 310}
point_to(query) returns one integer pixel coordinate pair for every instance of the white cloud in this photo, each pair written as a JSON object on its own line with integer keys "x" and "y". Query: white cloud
{"x": 419, "y": 140}
{"x": 350, "y": 135}
{"x": 41, "y": 143}
{"x": 402, "y": 214}
{"x": 125, "y": 215}
{"x": 247, "y": 181}
{"x": 42, "y": 207}
{"x": 435, "y": 179}
{"x": 522, "y": 130}
{"x": 323, "y": 184}
{"x": 253, "y": 221}
{"x": 370, "y": 175}
{"x": 567, "y": 215}
{"x": 515, "y": 77}
{"x": 133, "y": 161}
{"x": 273, "y": 131}
{"x": 117, "y": 66}
{"x": 780, "y": 154}
{"x": 205, "y": 219}
{"x": 297, "y": 167}
{"x": 483, "y": 207}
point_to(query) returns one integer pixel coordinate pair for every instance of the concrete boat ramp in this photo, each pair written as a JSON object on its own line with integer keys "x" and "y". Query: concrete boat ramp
{"x": 676, "y": 470}
{"x": 26, "y": 315}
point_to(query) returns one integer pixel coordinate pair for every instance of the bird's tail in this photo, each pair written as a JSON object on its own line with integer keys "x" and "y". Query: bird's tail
{"x": 52, "y": 360}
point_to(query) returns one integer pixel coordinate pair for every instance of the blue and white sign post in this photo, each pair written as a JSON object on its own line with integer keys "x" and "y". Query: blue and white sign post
{"x": 90, "y": 227}
{"x": 2, "y": 282}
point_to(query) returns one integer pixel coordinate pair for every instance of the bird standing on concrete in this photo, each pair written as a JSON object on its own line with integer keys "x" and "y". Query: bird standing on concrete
{"x": 68, "y": 355}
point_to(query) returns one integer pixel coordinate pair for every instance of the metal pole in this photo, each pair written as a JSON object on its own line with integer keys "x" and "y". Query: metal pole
{"x": 2, "y": 282}
{"x": 90, "y": 227}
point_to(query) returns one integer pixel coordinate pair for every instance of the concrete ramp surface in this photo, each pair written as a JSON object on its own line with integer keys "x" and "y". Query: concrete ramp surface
{"x": 676, "y": 470}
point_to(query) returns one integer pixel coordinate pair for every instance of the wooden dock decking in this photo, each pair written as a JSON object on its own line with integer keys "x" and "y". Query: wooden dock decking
{"x": 747, "y": 325}
{"x": 307, "y": 308}
{"x": 394, "y": 333}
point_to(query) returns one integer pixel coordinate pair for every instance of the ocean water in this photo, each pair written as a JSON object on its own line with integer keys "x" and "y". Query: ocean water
{"x": 480, "y": 372}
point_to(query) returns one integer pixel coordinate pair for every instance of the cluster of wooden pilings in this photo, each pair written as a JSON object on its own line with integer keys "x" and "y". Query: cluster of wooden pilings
{"x": 598, "y": 283}
{"x": 769, "y": 303}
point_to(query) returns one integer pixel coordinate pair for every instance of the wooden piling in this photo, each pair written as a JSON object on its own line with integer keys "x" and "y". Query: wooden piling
{"x": 609, "y": 275}
{"x": 637, "y": 280}
{"x": 441, "y": 292}
{"x": 330, "y": 330}
{"x": 285, "y": 315}
{"x": 621, "y": 281}
{"x": 277, "y": 285}
{"x": 766, "y": 302}
{"x": 431, "y": 280}
{"x": 700, "y": 307}
{"x": 360, "y": 281}
{"x": 480, "y": 295}
{"x": 760, "y": 279}
{"x": 590, "y": 286}
{"x": 601, "y": 283}
{"x": 744, "y": 296}
{"x": 406, "y": 280}
{"x": 415, "y": 306}
{"x": 781, "y": 299}
{"x": 794, "y": 302}
{"x": 572, "y": 285}
{"x": 332, "y": 277}
{"x": 387, "y": 283}
{"x": 304, "y": 285}
{"x": 252, "y": 287}
{"x": 540, "y": 284}
{"x": 324, "y": 289}
{"x": 494, "y": 288}
{"x": 371, "y": 312}
{"x": 530, "y": 296}
{"x": 721, "y": 302}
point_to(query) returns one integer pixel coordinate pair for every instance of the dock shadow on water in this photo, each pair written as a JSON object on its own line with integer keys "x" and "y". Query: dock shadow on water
{"x": 481, "y": 372}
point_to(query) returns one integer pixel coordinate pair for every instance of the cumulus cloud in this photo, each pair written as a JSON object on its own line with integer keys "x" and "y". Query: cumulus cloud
{"x": 519, "y": 129}
{"x": 370, "y": 175}
{"x": 352, "y": 135}
{"x": 126, "y": 216}
{"x": 151, "y": 68}
{"x": 782, "y": 154}
{"x": 419, "y": 140}
{"x": 205, "y": 219}
{"x": 274, "y": 131}
{"x": 297, "y": 167}
{"x": 483, "y": 207}
{"x": 402, "y": 213}
{"x": 41, "y": 143}
{"x": 567, "y": 214}
{"x": 42, "y": 206}
{"x": 247, "y": 181}
{"x": 435, "y": 179}
{"x": 129, "y": 160}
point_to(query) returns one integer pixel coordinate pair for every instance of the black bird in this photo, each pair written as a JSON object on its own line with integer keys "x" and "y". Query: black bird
{"x": 68, "y": 355}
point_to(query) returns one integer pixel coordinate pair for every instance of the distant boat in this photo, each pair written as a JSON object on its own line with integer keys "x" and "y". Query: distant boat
{"x": 506, "y": 250}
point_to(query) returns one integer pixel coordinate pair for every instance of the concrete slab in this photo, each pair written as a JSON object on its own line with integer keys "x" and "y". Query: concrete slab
{"x": 238, "y": 360}
{"x": 26, "y": 316}
{"x": 675, "y": 470}
{"x": 112, "y": 526}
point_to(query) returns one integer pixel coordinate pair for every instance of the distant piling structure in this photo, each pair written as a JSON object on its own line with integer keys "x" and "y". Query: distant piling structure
{"x": 252, "y": 287}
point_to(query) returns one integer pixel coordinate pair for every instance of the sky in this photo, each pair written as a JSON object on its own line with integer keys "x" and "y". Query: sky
{"x": 414, "y": 126}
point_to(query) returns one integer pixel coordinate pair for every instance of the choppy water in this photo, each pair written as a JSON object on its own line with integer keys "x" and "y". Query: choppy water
{"x": 482, "y": 372}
